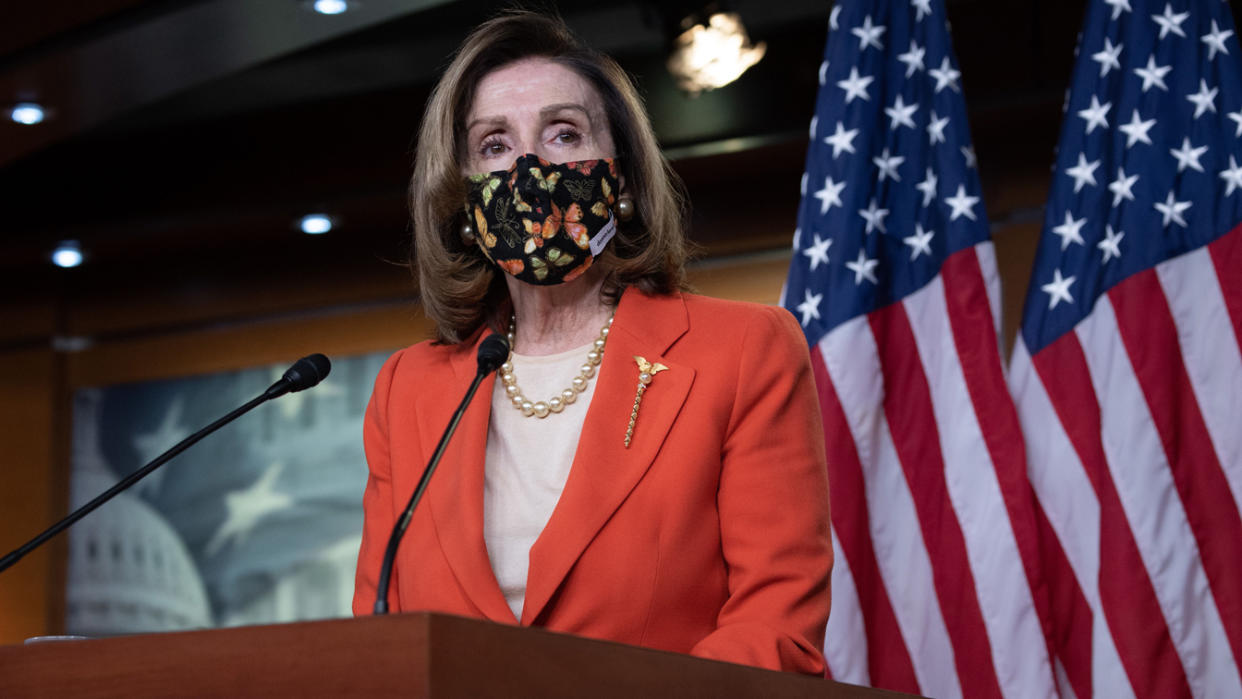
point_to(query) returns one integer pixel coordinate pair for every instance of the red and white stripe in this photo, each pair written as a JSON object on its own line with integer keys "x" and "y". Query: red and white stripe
{"x": 934, "y": 528}
{"x": 1135, "y": 455}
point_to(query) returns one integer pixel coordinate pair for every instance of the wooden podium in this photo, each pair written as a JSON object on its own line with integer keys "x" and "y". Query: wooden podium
{"x": 408, "y": 655}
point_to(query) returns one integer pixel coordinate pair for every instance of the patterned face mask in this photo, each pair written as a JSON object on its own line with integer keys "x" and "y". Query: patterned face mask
{"x": 544, "y": 223}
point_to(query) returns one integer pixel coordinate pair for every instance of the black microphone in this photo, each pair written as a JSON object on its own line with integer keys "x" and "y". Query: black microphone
{"x": 493, "y": 352}
{"x": 306, "y": 372}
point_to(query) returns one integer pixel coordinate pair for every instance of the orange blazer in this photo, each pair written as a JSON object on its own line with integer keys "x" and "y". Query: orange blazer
{"x": 708, "y": 535}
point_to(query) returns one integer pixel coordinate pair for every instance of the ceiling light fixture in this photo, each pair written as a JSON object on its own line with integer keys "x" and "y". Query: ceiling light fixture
{"x": 315, "y": 224}
{"x": 330, "y": 7}
{"x": 68, "y": 254}
{"x": 712, "y": 54}
{"x": 27, "y": 113}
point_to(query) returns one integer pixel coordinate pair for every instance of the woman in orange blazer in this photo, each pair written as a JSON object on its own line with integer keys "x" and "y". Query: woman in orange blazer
{"x": 694, "y": 514}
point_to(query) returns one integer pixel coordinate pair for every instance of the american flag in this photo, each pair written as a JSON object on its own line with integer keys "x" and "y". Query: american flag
{"x": 936, "y": 585}
{"x": 1127, "y": 372}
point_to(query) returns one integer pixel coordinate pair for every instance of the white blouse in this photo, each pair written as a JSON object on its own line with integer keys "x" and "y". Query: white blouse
{"x": 528, "y": 461}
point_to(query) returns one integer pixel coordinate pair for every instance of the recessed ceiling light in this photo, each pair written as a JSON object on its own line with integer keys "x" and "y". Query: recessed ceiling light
{"x": 27, "y": 113}
{"x": 330, "y": 7}
{"x": 315, "y": 224}
{"x": 67, "y": 254}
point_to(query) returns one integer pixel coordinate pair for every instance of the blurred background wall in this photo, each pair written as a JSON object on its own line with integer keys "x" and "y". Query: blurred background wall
{"x": 184, "y": 140}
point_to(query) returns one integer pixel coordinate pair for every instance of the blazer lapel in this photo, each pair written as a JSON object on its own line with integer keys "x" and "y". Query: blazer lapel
{"x": 456, "y": 491}
{"x": 604, "y": 470}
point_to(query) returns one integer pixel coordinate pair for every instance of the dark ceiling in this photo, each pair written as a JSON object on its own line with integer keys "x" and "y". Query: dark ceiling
{"x": 187, "y": 137}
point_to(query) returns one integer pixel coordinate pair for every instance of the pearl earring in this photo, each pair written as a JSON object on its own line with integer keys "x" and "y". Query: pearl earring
{"x": 467, "y": 234}
{"x": 624, "y": 208}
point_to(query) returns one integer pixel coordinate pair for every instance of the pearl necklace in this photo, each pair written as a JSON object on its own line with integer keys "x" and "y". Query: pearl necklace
{"x": 557, "y": 403}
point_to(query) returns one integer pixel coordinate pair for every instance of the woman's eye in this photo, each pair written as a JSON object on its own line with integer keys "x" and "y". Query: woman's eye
{"x": 492, "y": 147}
{"x": 568, "y": 136}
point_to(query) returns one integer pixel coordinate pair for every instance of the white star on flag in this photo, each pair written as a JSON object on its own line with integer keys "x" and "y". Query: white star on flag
{"x": 829, "y": 195}
{"x": 945, "y": 76}
{"x": 888, "y": 165}
{"x": 809, "y": 308}
{"x": 1083, "y": 173}
{"x": 923, "y": 7}
{"x": 968, "y": 152}
{"x": 1204, "y": 100}
{"x": 868, "y": 35}
{"x": 874, "y": 216}
{"x": 855, "y": 85}
{"x": 1058, "y": 289}
{"x": 961, "y": 204}
{"x": 1170, "y": 22}
{"x": 1069, "y": 230}
{"x": 920, "y": 242}
{"x": 1237, "y": 119}
{"x": 1188, "y": 157}
{"x": 1107, "y": 58}
{"x": 841, "y": 140}
{"x": 913, "y": 58}
{"x": 935, "y": 128}
{"x": 1137, "y": 130}
{"x": 1232, "y": 176}
{"x": 1119, "y": 6}
{"x": 818, "y": 252}
{"x": 1096, "y": 114}
{"x": 1172, "y": 210}
{"x": 928, "y": 187}
{"x": 1121, "y": 187}
{"x": 1153, "y": 74}
{"x": 1111, "y": 245}
{"x": 1215, "y": 40}
{"x": 900, "y": 113}
{"x": 863, "y": 268}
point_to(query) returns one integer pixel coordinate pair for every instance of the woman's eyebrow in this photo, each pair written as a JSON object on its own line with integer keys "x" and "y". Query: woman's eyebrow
{"x": 489, "y": 120}
{"x": 552, "y": 109}
{"x": 545, "y": 112}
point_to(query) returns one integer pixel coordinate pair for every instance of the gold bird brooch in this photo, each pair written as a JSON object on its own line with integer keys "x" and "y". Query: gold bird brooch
{"x": 646, "y": 372}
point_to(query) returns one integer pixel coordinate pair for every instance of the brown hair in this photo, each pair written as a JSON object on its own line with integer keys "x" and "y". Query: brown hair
{"x": 459, "y": 288}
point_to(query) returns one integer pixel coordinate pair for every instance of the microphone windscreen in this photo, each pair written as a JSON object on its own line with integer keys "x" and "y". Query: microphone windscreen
{"x": 307, "y": 371}
{"x": 493, "y": 352}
